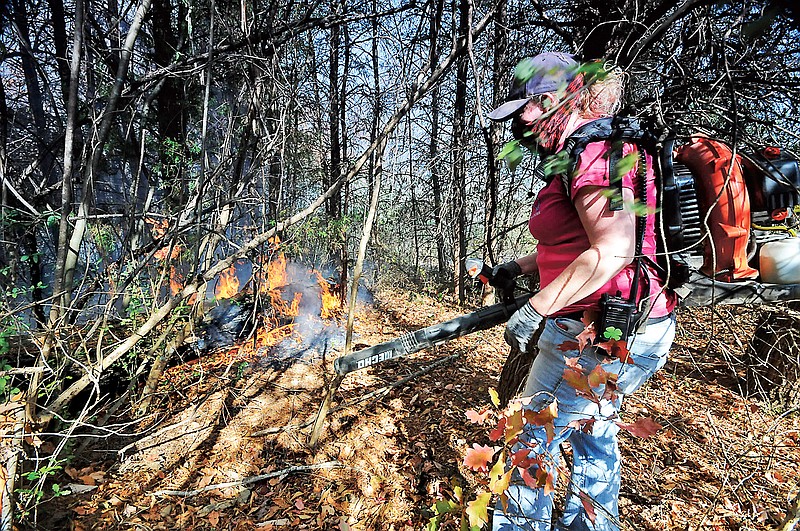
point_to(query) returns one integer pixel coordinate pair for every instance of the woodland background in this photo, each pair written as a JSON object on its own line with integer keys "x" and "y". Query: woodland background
{"x": 148, "y": 147}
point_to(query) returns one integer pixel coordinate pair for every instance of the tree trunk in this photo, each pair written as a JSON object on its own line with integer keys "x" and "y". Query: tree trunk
{"x": 499, "y": 89}
{"x": 459, "y": 161}
{"x": 332, "y": 206}
{"x": 434, "y": 155}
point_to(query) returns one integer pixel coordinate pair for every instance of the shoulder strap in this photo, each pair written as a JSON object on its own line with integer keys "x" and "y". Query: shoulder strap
{"x": 616, "y": 128}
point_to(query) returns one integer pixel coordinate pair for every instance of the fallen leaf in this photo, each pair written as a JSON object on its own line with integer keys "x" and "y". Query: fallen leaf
{"x": 644, "y": 427}
{"x": 478, "y": 418}
{"x": 495, "y": 397}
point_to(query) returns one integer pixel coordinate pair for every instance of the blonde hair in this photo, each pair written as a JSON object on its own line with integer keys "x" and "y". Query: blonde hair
{"x": 602, "y": 95}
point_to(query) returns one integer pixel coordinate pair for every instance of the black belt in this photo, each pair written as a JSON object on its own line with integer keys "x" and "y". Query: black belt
{"x": 577, "y": 316}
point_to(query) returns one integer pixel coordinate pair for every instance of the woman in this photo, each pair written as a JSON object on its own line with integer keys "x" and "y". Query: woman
{"x": 585, "y": 249}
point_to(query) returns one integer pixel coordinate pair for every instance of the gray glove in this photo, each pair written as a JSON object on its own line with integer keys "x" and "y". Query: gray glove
{"x": 521, "y": 327}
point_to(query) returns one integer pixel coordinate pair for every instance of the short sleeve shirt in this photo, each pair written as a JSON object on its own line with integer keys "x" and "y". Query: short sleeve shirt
{"x": 555, "y": 224}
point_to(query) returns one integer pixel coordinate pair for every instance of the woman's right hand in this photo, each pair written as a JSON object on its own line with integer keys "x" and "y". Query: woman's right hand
{"x": 521, "y": 327}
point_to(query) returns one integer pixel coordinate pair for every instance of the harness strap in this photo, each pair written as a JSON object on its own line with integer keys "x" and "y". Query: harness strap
{"x": 618, "y": 130}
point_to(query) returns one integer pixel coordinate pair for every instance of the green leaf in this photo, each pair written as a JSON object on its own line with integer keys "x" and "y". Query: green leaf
{"x": 524, "y": 70}
{"x": 625, "y": 165}
{"x": 556, "y": 164}
{"x": 442, "y": 507}
{"x": 508, "y": 148}
{"x": 593, "y": 71}
{"x": 514, "y": 159}
{"x": 612, "y": 333}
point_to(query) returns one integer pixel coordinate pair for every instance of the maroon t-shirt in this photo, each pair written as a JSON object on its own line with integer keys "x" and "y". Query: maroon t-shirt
{"x": 555, "y": 224}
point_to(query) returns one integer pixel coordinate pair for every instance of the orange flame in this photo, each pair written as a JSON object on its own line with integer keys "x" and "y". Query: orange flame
{"x": 175, "y": 281}
{"x": 331, "y": 303}
{"x": 176, "y": 284}
{"x": 277, "y": 276}
{"x": 228, "y": 284}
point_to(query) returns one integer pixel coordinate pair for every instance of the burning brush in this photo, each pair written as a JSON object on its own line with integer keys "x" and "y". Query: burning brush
{"x": 279, "y": 301}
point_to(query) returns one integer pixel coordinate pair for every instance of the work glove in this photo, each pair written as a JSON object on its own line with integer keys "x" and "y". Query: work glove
{"x": 521, "y": 328}
{"x": 503, "y": 275}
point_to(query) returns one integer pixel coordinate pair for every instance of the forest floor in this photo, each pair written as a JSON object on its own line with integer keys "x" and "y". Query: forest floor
{"x": 227, "y": 446}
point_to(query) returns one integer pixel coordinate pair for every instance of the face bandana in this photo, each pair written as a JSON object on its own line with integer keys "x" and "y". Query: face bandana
{"x": 547, "y": 132}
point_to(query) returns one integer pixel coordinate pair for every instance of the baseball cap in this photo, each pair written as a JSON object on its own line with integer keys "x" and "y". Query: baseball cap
{"x": 546, "y": 72}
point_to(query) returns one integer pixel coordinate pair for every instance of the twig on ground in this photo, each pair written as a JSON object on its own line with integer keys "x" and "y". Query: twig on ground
{"x": 248, "y": 480}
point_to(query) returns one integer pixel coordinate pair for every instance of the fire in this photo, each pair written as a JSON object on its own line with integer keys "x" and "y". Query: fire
{"x": 274, "y": 289}
{"x": 228, "y": 284}
{"x": 176, "y": 284}
{"x": 331, "y": 303}
{"x": 277, "y": 276}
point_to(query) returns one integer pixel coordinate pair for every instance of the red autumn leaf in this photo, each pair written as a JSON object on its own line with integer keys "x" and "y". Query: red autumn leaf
{"x": 520, "y": 458}
{"x": 586, "y": 337}
{"x": 499, "y": 430}
{"x": 567, "y": 346}
{"x": 549, "y": 483}
{"x": 543, "y": 416}
{"x": 478, "y": 418}
{"x": 529, "y": 480}
{"x": 588, "y": 506}
{"x": 573, "y": 363}
{"x": 597, "y": 377}
{"x": 478, "y": 457}
{"x": 643, "y": 428}
{"x": 617, "y": 349}
{"x": 582, "y": 425}
{"x": 610, "y": 392}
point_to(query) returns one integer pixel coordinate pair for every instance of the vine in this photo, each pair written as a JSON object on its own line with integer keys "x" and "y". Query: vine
{"x": 514, "y": 456}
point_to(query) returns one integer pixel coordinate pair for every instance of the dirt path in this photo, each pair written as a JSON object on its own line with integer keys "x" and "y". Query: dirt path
{"x": 721, "y": 461}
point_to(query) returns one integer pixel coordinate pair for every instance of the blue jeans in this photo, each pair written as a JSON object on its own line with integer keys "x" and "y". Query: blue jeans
{"x": 595, "y": 456}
